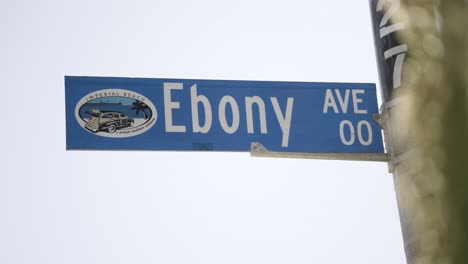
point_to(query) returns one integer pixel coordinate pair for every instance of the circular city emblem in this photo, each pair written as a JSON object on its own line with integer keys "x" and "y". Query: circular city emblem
{"x": 115, "y": 113}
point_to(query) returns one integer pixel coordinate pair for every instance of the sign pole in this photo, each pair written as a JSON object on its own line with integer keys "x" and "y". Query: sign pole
{"x": 391, "y": 55}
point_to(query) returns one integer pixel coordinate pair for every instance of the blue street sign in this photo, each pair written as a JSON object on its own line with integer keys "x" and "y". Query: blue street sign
{"x": 177, "y": 114}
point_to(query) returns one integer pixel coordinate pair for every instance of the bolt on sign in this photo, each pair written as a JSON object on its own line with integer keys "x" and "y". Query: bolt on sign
{"x": 107, "y": 113}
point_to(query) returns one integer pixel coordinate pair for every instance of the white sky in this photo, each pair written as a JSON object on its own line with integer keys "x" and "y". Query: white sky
{"x": 167, "y": 207}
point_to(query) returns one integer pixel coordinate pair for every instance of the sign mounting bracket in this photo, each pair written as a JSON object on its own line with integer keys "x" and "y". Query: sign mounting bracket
{"x": 258, "y": 150}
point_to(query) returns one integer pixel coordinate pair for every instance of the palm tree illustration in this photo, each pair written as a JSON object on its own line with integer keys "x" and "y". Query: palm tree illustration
{"x": 140, "y": 106}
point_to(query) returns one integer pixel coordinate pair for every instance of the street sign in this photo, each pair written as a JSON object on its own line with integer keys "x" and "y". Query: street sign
{"x": 181, "y": 115}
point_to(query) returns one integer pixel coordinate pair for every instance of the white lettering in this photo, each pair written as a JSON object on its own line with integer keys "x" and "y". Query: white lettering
{"x": 230, "y": 129}
{"x": 343, "y": 102}
{"x": 395, "y": 6}
{"x": 369, "y": 131}
{"x": 169, "y": 105}
{"x": 195, "y": 99}
{"x": 351, "y": 132}
{"x": 357, "y": 101}
{"x": 329, "y": 101}
{"x": 249, "y": 101}
{"x": 400, "y": 53}
{"x": 283, "y": 120}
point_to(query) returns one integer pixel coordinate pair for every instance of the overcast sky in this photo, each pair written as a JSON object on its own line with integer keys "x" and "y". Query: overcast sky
{"x": 59, "y": 206}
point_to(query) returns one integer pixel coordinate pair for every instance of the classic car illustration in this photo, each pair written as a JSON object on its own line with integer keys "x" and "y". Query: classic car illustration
{"x": 109, "y": 121}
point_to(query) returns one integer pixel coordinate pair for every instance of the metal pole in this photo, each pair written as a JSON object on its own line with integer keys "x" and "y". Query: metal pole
{"x": 426, "y": 134}
{"x": 391, "y": 56}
